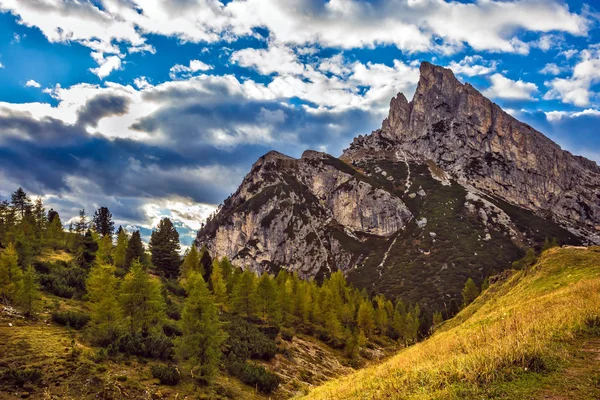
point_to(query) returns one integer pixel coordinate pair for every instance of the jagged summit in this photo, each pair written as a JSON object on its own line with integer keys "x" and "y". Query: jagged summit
{"x": 449, "y": 187}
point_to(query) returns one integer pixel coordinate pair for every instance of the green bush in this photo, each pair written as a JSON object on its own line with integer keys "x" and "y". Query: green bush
{"x": 166, "y": 374}
{"x": 152, "y": 346}
{"x": 247, "y": 341}
{"x": 74, "y": 319}
{"x": 254, "y": 375}
{"x": 22, "y": 376}
{"x": 287, "y": 334}
{"x": 62, "y": 279}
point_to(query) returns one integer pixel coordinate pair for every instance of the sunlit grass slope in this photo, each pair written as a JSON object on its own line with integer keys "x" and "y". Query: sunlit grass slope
{"x": 510, "y": 343}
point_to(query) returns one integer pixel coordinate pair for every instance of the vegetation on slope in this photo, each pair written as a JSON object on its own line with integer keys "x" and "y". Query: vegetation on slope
{"x": 514, "y": 341}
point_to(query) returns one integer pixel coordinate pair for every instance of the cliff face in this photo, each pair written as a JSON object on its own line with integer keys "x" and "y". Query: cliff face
{"x": 476, "y": 142}
{"x": 450, "y": 187}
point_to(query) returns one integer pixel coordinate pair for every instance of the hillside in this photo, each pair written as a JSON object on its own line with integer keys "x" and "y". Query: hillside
{"x": 530, "y": 336}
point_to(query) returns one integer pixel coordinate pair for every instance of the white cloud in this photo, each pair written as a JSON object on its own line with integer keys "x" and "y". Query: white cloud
{"x": 142, "y": 83}
{"x": 1, "y": 65}
{"x": 554, "y": 116}
{"x": 473, "y": 66}
{"x": 577, "y": 88}
{"x": 32, "y": 83}
{"x": 179, "y": 71}
{"x": 277, "y": 58}
{"x": 106, "y": 65}
{"x": 548, "y": 42}
{"x": 505, "y": 88}
{"x": 551, "y": 69}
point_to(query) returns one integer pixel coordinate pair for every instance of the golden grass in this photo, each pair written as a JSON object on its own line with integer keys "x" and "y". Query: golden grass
{"x": 513, "y": 331}
{"x": 58, "y": 255}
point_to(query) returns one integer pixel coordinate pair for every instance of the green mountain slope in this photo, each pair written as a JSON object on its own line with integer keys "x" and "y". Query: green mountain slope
{"x": 523, "y": 338}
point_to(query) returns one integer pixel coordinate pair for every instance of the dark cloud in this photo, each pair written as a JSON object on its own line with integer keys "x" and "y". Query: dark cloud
{"x": 101, "y": 106}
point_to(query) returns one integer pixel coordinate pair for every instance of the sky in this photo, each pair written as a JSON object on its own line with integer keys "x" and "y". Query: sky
{"x": 158, "y": 108}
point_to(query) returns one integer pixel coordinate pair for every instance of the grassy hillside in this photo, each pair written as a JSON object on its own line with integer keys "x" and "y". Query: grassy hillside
{"x": 533, "y": 335}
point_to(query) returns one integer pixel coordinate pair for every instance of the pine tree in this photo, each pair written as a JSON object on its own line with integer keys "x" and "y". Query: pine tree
{"x": 29, "y": 294}
{"x": 485, "y": 284}
{"x": 103, "y": 223}
{"x": 21, "y": 202}
{"x": 200, "y": 344}
{"x": 437, "y": 320}
{"x": 366, "y": 318}
{"x": 55, "y": 236}
{"x": 469, "y": 292}
{"x": 206, "y": 261}
{"x": 354, "y": 342}
{"x": 164, "y": 247}
{"x": 81, "y": 225}
{"x": 105, "y": 249}
{"x": 218, "y": 284}
{"x": 101, "y": 287}
{"x": 412, "y": 324}
{"x": 268, "y": 303}
{"x": 191, "y": 263}
{"x": 135, "y": 249}
{"x": 85, "y": 253}
{"x": 381, "y": 315}
{"x": 142, "y": 303}
{"x": 120, "y": 248}
{"x": 10, "y": 274}
{"x": 244, "y": 295}
{"x": 39, "y": 213}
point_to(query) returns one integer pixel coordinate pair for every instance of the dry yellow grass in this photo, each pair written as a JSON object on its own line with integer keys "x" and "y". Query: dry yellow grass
{"x": 511, "y": 334}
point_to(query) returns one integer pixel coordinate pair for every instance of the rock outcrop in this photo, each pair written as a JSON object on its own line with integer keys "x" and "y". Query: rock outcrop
{"x": 475, "y": 141}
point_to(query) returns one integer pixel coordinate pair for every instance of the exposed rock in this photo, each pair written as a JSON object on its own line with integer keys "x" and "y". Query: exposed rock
{"x": 476, "y": 142}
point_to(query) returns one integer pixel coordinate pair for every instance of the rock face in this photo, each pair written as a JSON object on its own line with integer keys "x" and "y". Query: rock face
{"x": 475, "y": 141}
{"x": 300, "y": 214}
{"x": 450, "y": 187}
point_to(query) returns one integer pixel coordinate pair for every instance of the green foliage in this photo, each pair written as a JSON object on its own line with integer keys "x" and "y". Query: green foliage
{"x": 73, "y": 319}
{"x": 23, "y": 376}
{"x": 254, "y": 375}
{"x": 142, "y": 303}
{"x": 164, "y": 247}
{"x": 10, "y": 274}
{"x": 166, "y": 374}
{"x": 154, "y": 345}
{"x": 85, "y": 249}
{"x": 103, "y": 295}
{"x": 62, "y": 279}
{"x": 366, "y": 318}
{"x": 121, "y": 249}
{"x": 135, "y": 249}
{"x": 245, "y": 340}
{"x": 354, "y": 342}
{"x": 470, "y": 292}
{"x": 191, "y": 263}
{"x": 268, "y": 301}
{"x": 29, "y": 295}
{"x": 200, "y": 344}
{"x": 244, "y": 297}
{"x": 103, "y": 223}
{"x": 528, "y": 260}
{"x": 218, "y": 284}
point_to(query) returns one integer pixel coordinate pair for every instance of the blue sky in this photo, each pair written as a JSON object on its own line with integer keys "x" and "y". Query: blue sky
{"x": 158, "y": 107}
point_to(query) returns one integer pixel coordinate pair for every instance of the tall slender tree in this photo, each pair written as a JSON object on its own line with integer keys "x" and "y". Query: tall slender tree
{"x": 101, "y": 286}
{"x": 21, "y": 202}
{"x": 29, "y": 294}
{"x": 219, "y": 287}
{"x": 120, "y": 248}
{"x": 244, "y": 295}
{"x": 135, "y": 249}
{"x": 81, "y": 225}
{"x": 164, "y": 247}
{"x": 103, "y": 223}
{"x": 10, "y": 274}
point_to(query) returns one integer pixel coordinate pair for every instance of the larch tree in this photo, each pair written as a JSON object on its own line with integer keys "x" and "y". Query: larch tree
{"x": 244, "y": 295}
{"x": 29, "y": 294}
{"x": 164, "y": 247}
{"x": 202, "y": 333}
{"x": 10, "y": 274}
{"x": 120, "y": 248}
{"x": 191, "y": 263}
{"x": 135, "y": 249}
{"x": 218, "y": 284}
{"x": 366, "y": 318}
{"x": 102, "y": 291}
{"x": 103, "y": 222}
{"x": 21, "y": 202}
{"x": 469, "y": 292}
{"x": 268, "y": 303}
{"x": 141, "y": 301}
{"x": 55, "y": 236}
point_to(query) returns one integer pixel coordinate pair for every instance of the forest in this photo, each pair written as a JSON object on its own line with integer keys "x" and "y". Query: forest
{"x": 197, "y": 315}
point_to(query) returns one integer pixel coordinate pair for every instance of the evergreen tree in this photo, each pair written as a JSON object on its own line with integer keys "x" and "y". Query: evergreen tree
{"x": 528, "y": 260}
{"x": 219, "y": 287}
{"x": 437, "y": 320}
{"x": 366, "y": 318}
{"x": 55, "y": 235}
{"x": 104, "y": 253}
{"x": 86, "y": 250}
{"x": 381, "y": 315}
{"x": 142, "y": 303}
{"x": 120, "y": 248}
{"x": 103, "y": 223}
{"x": 164, "y": 247}
{"x": 21, "y": 202}
{"x": 10, "y": 274}
{"x": 135, "y": 249}
{"x": 266, "y": 291}
{"x": 469, "y": 292}
{"x": 191, "y": 263}
{"x": 81, "y": 225}
{"x": 354, "y": 342}
{"x": 39, "y": 213}
{"x": 200, "y": 344}
{"x": 412, "y": 325}
{"x": 244, "y": 295}
{"x": 206, "y": 261}
{"x": 29, "y": 294}
{"x": 101, "y": 287}
{"x": 485, "y": 284}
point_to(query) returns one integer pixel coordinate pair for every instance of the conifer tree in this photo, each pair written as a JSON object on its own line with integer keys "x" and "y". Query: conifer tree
{"x": 200, "y": 344}
{"x": 191, "y": 263}
{"x": 81, "y": 225}
{"x": 354, "y": 342}
{"x": 485, "y": 284}
{"x": 437, "y": 320}
{"x": 142, "y": 303}
{"x": 164, "y": 247}
{"x": 120, "y": 248}
{"x": 469, "y": 292}
{"x": 412, "y": 324}
{"x": 29, "y": 294}
{"x": 227, "y": 271}
{"x": 55, "y": 235}
{"x": 206, "y": 261}
{"x": 21, "y": 202}
{"x": 244, "y": 295}
{"x": 381, "y": 315}
{"x": 366, "y": 318}
{"x": 85, "y": 253}
{"x": 10, "y": 274}
{"x": 219, "y": 287}
{"x": 268, "y": 304}
{"x": 103, "y": 223}
{"x": 105, "y": 248}
{"x": 135, "y": 249}
{"x": 101, "y": 287}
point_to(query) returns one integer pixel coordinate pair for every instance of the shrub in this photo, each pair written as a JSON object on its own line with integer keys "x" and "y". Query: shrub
{"x": 247, "y": 341}
{"x": 166, "y": 374}
{"x": 151, "y": 346}
{"x": 287, "y": 334}
{"x": 62, "y": 279}
{"x": 172, "y": 330}
{"x": 253, "y": 375}
{"x": 74, "y": 319}
{"x": 22, "y": 376}
{"x": 174, "y": 287}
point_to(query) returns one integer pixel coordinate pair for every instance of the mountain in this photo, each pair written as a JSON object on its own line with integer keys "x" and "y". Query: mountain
{"x": 450, "y": 187}
{"x": 533, "y": 335}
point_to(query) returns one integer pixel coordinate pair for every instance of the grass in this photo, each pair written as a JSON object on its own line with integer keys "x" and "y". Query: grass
{"x": 517, "y": 340}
